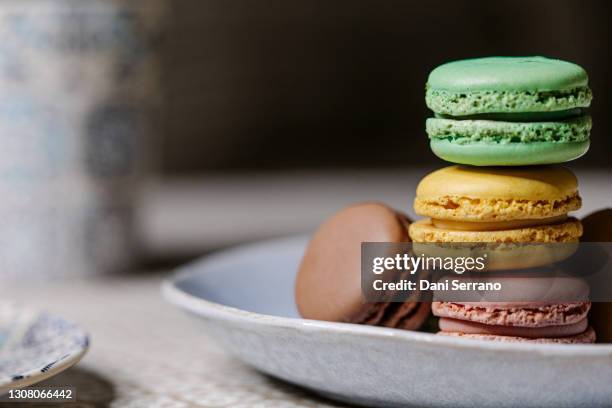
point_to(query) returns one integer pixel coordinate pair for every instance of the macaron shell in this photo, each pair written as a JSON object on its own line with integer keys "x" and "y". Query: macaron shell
{"x": 501, "y": 143}
{"x": 507, "y": 85}
{"x": 467, "y": 132}
{"x": 468, "y": 103}
{"x": 463, "y": 208}
{"x": 497, "y": 193}
{"x": 531, "y": 316}
{"x": 532, "y": 73}
{"x": 528, "y": 183}
{"x": 328, "y": 284}
{"x": 509, "y": 154}
{"x": 468, "y": 327}
{"x": 567, "y": 231}
{"x": 587, "y": 337}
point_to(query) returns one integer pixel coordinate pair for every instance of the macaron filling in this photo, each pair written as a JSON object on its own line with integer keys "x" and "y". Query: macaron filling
{"x": 520, "y": 116}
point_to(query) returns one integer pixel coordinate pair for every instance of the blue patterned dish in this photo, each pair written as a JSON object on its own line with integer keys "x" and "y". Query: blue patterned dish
{"x": 35, "y": 346}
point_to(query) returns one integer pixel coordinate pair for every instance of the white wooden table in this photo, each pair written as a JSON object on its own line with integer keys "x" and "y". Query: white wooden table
{"x": 145, "y": 353}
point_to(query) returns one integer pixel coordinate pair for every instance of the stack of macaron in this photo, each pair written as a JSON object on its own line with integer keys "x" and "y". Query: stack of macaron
{"x": 508, "y": 111}
{"x": 521, "y": 116}
{"x": 506, "y": 123}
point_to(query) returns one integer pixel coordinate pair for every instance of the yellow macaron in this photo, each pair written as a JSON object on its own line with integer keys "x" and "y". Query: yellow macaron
{"x": 510, "y": 206}
{"x": 494, "y": 194}
{"x": 505, "y": 248}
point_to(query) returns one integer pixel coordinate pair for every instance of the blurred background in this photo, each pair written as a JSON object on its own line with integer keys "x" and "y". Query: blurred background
{"x": 306, "y": 84}
{"x": 192, "y": 125}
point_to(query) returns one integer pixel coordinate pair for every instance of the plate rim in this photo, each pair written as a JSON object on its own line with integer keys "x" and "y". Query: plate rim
{"x": 176, "y": 296}
{"x": 36, "y": 375}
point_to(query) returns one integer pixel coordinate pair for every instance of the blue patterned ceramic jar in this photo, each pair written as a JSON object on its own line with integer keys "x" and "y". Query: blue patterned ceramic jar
{"x": 78, "y": 93}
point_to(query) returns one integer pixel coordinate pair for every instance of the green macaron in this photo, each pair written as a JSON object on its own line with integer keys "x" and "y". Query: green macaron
{"x": 507, "y": 85}
{"x": 508, "y": 111}
{"x": 500, "y": 143}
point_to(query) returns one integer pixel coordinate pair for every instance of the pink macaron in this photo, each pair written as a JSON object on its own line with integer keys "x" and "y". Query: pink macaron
{"x": 504, "y": 321}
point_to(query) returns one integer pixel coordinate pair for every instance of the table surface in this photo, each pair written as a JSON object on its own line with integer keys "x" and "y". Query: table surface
{"x": 146, "y": 353}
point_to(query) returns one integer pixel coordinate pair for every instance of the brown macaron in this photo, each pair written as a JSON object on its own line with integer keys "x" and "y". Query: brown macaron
{"x": 328, "y": 284}
{"x": 598, "y": 228}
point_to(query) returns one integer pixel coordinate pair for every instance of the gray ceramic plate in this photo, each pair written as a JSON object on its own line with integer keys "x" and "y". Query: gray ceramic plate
{"x": 244, "y": 298}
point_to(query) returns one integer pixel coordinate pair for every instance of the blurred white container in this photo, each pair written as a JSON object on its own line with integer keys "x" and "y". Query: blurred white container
{"x": 78, "y": 94}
